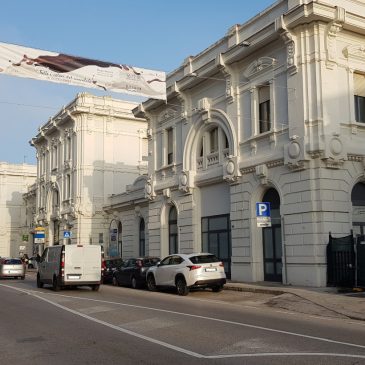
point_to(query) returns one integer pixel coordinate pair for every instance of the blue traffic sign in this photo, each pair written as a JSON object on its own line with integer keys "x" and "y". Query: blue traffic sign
{"x": 263, "y": 209}
{"x": 66, "y": 234}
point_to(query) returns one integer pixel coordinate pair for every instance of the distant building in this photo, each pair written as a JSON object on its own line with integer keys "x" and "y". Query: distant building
{"x": 92, "y": 149}
{"x": 15, "y": 239}
{"x": 272, "y": 112}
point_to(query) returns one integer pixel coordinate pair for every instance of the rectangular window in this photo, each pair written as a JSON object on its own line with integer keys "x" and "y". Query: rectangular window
{"x": 264, "y": 109}
{"x": 54, "y": 156}
{"x": 68, "y": 186}
{"x": 170, "y": 146}
{"x": 214, "y": 140}
{"x": 359, "y": 97}
{"x": 67, "y": 148}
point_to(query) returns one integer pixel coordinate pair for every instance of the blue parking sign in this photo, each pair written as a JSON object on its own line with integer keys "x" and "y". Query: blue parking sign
{"x": 263, "y": 209}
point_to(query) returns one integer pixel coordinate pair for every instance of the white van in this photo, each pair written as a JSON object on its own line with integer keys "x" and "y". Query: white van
{"x": 71, "y": 265}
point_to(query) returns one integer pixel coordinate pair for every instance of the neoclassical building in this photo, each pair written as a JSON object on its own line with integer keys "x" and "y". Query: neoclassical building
{"x": 92, "y": 149}
{"x": 15, "y": 222}
{"x": 272, "y": 112}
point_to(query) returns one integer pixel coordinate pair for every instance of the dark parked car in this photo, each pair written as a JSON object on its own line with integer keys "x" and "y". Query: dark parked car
{"x": 110, "y": 266}
{"x": 133, "y": 272}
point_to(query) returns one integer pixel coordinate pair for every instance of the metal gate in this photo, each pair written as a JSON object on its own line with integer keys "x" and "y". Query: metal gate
{"x": 346, "y": 261}
{"x": 360, "y": 262}
{"x": 341, "y": 261}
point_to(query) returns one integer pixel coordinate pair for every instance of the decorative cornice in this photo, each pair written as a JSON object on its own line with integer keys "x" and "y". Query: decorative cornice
{"x": 355, "y": 158}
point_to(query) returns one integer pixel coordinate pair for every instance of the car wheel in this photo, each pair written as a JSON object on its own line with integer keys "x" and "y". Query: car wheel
{"x": 115, "y": 281}
{"x": 151, "y": 283}
{"x": 22, "y": 277}
{"x": 217, "y": 288}
{"x": 95, "y": 287}
{"x": 181, "y": 287}
{"x": 134, "y": 283}
{"x": 55, "y": 284}
{"x": 39, "y": 283}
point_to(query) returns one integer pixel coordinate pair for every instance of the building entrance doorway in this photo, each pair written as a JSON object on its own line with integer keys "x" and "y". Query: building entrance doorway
{"x": 272, "y": 253}
{"x": 272, "y": 240}
{"x": 216, "y": 236}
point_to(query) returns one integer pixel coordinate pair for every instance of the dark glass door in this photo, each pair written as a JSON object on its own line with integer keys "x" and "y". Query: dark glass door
{"x": 217, "y": 239}
{"x": 272, "y": 253}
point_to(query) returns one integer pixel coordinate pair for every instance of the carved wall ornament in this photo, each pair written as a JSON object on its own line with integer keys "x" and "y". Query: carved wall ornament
{"x": 262, "y": 173}
{"x": 356, "y": 52}
{"x": 294, "y": 154}
{"x": 183, "y": 102}
{"x": 259, "y": 66}
{"x": 167, "y": 114}
{"x": 333, "y": 29}
{"x": 334, "y": 154}
{"x": 149, "y": 189}
{"x": 204, "y": 109}
{"x": 186, "y": 181}
{"x": 289, "y": 40}
{"x": 231, "y": 172}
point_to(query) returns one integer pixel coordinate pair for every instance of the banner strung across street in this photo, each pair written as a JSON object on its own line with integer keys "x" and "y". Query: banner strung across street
{"x": 61, "y": 68}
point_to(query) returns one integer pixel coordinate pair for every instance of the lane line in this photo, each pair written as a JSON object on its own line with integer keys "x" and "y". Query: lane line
{"x": 180, "y": 349}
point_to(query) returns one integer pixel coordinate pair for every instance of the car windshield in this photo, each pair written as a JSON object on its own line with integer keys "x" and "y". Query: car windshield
{"x": 203, "y": 259}
{"x": 152, "y": 261}
{"x": 114, "y": 263}
{"x": 13, "y": 262}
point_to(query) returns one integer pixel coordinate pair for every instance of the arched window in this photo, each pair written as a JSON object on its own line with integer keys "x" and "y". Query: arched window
{"x": 142, "y": 240}
{"x": 358, "y": 204}
{"x": 55, "y": 201}
{"x": 212, "y": 149}
{"x": 173, "y": 238}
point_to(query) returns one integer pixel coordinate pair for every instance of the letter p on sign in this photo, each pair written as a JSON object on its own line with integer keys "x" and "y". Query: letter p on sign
{"x": 263, "y": 209}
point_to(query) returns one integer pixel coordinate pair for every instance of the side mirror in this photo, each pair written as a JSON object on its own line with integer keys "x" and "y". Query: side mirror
{"x": 159, "y": 264}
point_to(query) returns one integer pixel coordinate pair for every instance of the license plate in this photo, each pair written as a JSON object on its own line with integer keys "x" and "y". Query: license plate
{"x": 208, "y": 269}
{"x": 73, "y": 277}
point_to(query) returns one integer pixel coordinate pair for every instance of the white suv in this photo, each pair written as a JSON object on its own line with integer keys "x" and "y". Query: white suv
{"x": 196, "y": 270}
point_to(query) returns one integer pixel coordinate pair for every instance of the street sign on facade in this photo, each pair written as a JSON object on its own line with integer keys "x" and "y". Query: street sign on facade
{"x": 263, "y": 214}
{"x": 67, "y": 234}
{"x": 40, "y": 235}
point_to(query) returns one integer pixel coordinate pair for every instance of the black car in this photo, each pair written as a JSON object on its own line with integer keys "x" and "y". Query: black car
{"x": 133, "y": 271}
{"x": 110, "y": 266}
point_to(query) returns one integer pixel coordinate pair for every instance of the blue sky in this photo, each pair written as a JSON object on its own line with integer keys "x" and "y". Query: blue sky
{"x": 152, "y": 34}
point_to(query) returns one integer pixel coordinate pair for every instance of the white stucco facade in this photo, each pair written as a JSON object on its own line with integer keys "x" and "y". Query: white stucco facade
{"x": 92, "y": 149}
{"x": 15, "y": 179}
{"x": 273, "y": 111}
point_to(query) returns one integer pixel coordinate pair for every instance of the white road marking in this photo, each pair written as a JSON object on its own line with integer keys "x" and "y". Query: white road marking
{"x": 97, "y": 309}
{"x": 149, "y": 324}
{"x": 188, "y": 352}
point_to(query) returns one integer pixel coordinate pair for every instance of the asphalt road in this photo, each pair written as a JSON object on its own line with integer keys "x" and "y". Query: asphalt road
{"x": 124, "y": 326}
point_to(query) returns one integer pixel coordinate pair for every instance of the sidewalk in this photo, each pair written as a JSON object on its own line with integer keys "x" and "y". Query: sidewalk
{"x": 318, "y": 301}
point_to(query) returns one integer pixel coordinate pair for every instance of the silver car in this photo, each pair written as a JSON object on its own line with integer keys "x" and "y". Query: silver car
{"x": 195, "y": 270}
{"x": 12, "y": 268}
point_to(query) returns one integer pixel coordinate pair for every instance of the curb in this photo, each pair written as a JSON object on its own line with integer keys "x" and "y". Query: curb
{"x": 254, "y": 290}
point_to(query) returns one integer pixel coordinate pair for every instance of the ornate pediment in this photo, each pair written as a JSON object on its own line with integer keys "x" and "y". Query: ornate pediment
{"x": 259, "y": 66}
{"x": 356, "y": 52}
{"x": 167, "y": 114}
